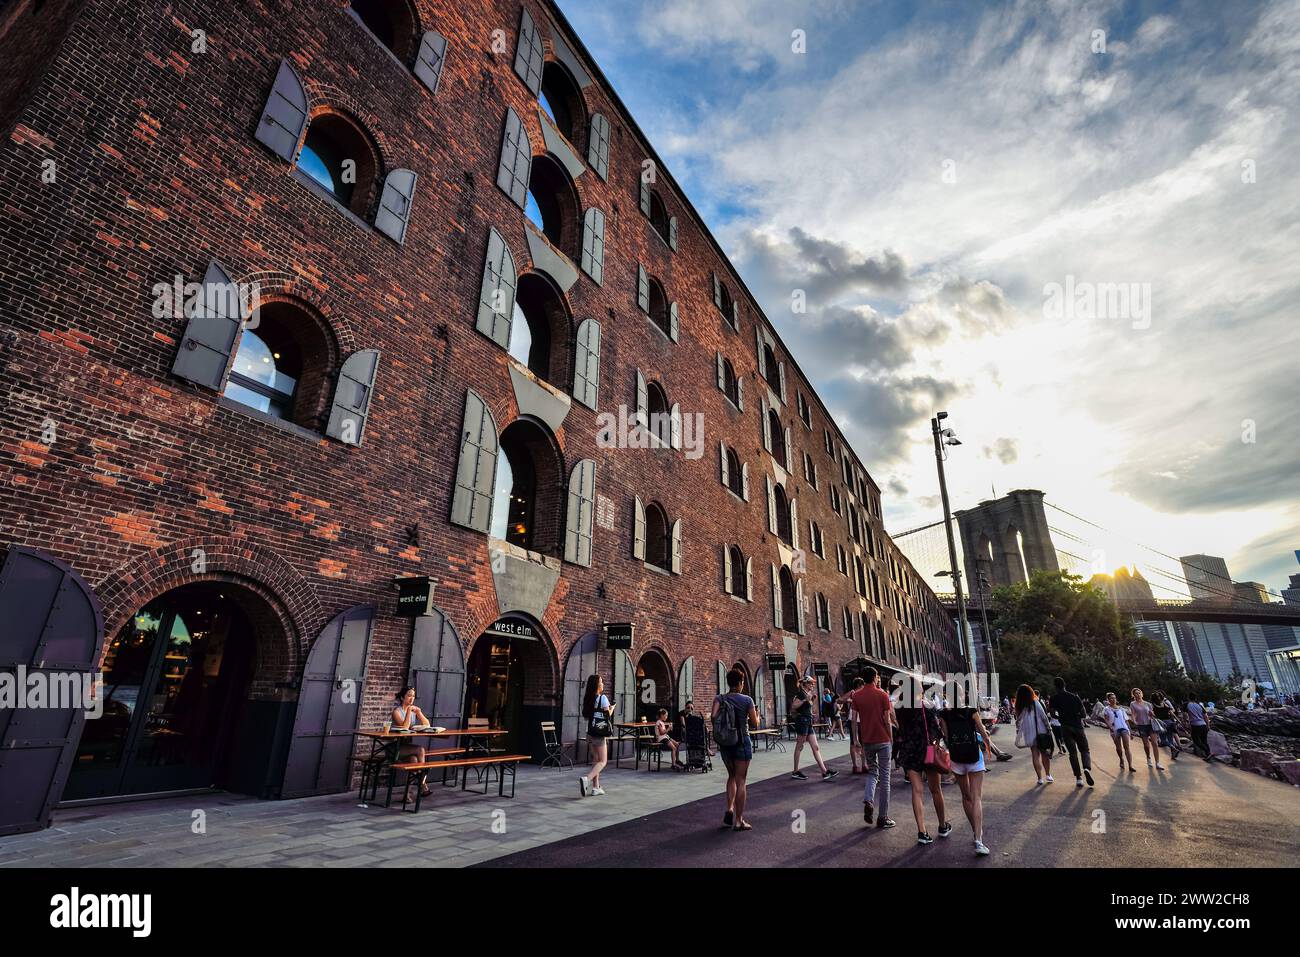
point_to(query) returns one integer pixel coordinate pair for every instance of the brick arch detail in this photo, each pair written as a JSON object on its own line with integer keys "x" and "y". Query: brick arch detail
{"x": 328, "y": 98}
{"x": 553, "y": 683}
{"x": 277, "y": 285}
{"x": 293, "y": 603}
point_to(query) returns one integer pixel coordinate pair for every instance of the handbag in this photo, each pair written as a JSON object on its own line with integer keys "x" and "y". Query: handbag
{"x": 599, "y": 726}
{"x": 1043, "y": 740}
{"x": 936, "y": 755}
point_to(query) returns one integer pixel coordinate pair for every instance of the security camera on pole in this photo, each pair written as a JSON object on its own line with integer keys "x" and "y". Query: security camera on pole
{"x": 942, "y": 438}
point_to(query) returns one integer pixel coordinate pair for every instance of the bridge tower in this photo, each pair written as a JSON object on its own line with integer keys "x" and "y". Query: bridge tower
{"x": 1007, "y": 539}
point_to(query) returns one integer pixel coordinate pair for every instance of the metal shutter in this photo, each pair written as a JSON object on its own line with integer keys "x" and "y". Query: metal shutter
{"x": 352, "y": 396}
{"x": 285, "y": 115}
{"x": 212, "y": 332}
{"x": 677, "y": 547}
{"x": 593, "y": 244}
{"x": 428, "y": 62}
{"x": 598, "y": 146}
{"x": 586, "y": 368}
{"x": 516, "y": 159}
{"x": 496, "y": 301}
{"x": 528, "y": 53}
{"x": 642, "y": 289}
{"x": 471, "y": 503}
{"x": 638, "y": 529}
{"x": 581, "y": 505}
{"x": 395, "y": 204}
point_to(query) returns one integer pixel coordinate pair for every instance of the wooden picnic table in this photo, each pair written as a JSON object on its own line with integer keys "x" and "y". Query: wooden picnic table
{"x": 771, "y": 737}
{"x": 631, "y": 732}
{"x": 385, "y": 745}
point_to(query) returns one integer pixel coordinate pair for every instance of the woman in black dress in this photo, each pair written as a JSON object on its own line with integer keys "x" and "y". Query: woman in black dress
{"x": 918, "y": 728}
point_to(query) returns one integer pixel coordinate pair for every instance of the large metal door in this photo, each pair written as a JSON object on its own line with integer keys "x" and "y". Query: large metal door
{"x": 624, "y": 700}
{"x": 581, "y": 665}
{"x": 329, "y": 705}
{"x": 52, "y": 627}
{"x": 438, "y": 673}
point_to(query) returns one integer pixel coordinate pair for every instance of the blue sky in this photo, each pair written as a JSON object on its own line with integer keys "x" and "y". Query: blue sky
{"x": 925, "y": 172}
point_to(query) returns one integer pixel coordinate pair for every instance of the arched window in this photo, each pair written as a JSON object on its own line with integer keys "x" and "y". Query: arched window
{"x": 658, "y": 542}
{"x": 777, "y": 431}
{"x": 855, "y": 528}
{"x": 392, "y": 22}
{"x": 552, "y": 206}
{"x": 659, "y": 215}
{"x": 530, "y": 491}
{"x": 539, "y": 333}
{"x": 784, "y": 527}
{"x": 337, "y": 157}
{"x": 789, "y": 603}
{"x": 562, "y": 101}
{"x": 659, "y": 307}
{"x": 739, "y": 580}
{"x": 735, "y": 473}
{"x": 771, "y": 371}
{"x": 659, "y": 414}
{"x": 823, "y": 612}
{"x": 283, "y": 365}
{"x": 729, "y": 385}
{"x": 860, "y": 576}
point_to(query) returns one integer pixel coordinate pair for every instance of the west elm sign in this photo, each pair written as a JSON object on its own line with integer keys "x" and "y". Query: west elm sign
{"x": 618, "y": 635}
{"x": 513, "y": 628}
{"x": 414, "y": 597}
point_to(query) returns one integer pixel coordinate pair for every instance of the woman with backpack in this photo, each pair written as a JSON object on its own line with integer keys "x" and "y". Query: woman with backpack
{"x": 915, "y": 740}
{"x": 1034, "y": 731}
{"x": 597, "y": 710}
{"x": 733, "y": 715}
{"x": 968, "y": 743}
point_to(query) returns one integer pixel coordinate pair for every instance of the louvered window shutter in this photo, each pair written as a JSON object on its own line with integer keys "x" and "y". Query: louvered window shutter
{"x": 722, "y": 372}
{"x": 794, "y": 524}
{"x": 672, "y": 233}
{"x": 740, "y": 393}
{"x": 749, "y": 579}
{"x": 598, "y": 146}
{"x": 347, "y": 421}
{"x": 395, "y": 204}
{"x": 675, "y": 425}
{"x": 674, "y": 322}
{"x": 638, "y": 529}
{"x": 586, "y": 367}
{"x": 593, "y": 245}
{"x": 528, "y": 53}
{"x": 471, "y": 502}
{"x": 516, "y": 159}
{"x": 776, "y": 598}
{"x": 644, "y": 196}
{"x": 798, "y": 605}
{"x": 722, "y": 457}
{"x": 642, "y": 401}
{"x": 771, "y": 505}
{"x": 581, "y": 505}
{"x": 767, "y": 425}
{"x": 430, "y": 58}
{"x": 677, "y": 547}
{"x": 642, "y": 289}
{"x": 496, "y": 306}
{"x": 726, "y": 569}
{"x": 211, "y": 332}
{"x": 744, "y": 481}
{"x": 285, "y": 115}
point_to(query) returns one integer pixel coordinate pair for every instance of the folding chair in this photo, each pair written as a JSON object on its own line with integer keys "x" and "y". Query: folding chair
{"x": 555, "y": 756}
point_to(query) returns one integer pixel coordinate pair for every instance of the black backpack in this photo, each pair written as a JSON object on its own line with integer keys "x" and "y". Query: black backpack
{"x": 962, "y": 742}
{"x": 725, "y": 733}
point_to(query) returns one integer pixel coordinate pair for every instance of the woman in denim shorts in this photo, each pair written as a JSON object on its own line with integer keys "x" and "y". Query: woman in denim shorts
{"x": 737, "y": 756}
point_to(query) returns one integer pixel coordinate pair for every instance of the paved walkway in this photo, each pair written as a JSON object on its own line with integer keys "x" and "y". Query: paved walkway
{"x": 453, "y": 829}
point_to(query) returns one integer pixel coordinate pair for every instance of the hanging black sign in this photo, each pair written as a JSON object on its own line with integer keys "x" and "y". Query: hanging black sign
{"x": 414, "y": 597}
{"x": 513, "y": 628}
{"x": 775, "y": 662}
{"x": 618, "y": 635}
{"x": 821, "y": 669}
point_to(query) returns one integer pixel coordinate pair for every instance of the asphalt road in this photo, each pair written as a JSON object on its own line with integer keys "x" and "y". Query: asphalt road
{"x": 1192, "y": 815}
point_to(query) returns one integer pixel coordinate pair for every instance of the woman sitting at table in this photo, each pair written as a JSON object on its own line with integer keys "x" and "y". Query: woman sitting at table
{"x": 407, "y": 715}
{"x": 663, "y": 739}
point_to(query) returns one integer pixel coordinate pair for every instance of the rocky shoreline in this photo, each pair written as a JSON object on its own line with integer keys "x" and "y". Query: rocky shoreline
{"x": 1263, "y": 742}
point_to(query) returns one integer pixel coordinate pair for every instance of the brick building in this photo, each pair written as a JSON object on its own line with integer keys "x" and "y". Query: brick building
{"x": 299, "y": 299}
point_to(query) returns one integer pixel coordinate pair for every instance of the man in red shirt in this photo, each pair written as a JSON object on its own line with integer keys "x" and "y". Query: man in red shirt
{"x": 876, "y": 722}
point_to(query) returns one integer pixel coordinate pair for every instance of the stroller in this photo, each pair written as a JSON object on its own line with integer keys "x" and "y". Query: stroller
{"x": 696, "y": 744}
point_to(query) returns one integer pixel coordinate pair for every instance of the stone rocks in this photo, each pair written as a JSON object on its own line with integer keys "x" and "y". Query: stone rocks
{"x": 1289, "y": 771}
{"x": 1261, "y": 762}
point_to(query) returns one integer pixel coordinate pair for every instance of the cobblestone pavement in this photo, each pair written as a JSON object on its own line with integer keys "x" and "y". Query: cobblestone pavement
{"x": 453, "y": 828}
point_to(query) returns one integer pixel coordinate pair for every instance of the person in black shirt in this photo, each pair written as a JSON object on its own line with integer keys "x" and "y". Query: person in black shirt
{"x": 1068, "y": 709}
{"x": 801, "y": 708}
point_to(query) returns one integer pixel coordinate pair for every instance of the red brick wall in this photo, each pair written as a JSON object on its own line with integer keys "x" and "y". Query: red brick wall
{"x": 158, "y": 173}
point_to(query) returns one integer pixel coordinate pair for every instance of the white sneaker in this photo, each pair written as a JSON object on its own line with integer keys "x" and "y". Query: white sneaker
{"x": 597, "y": 790}
{"x": 1149, "y": 764}
{"x": 1160, "y": 767}
{"x": 980, "y": 849}
{"x": 1041, "y": 782}
{"x": 584, "y": 784}
{"x": 1078, "y": 782}
{"x": 1050, "y": 779}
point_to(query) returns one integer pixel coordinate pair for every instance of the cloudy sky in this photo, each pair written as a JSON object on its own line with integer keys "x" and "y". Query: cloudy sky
{"x": 925, "y": 171}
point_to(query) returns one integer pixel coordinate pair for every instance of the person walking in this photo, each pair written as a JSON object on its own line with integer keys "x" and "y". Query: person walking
{"x": 732, "y": 716}
{"x": 1198, "y": 723}
{"x": 1070, "y": 711}
{"x": 1034, "y": 731}
{"x": 855, "y": 746}
{"x": 1056, "y": 728}
{"x": 968, "y": 743}
{"x": 918, "y": 729}
{"x": 1143, "y": 717}
{"x": 1117, "y": 722}
{"x": 802, "y": 708}
{"x": 597, "y": 711}
{"x": 876, "y": 728}
{"x": 1167, "y": 725}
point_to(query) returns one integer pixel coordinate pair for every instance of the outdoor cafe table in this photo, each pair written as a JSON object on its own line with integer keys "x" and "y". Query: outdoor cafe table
{"x": 388, "y": 743}
{"x": 630, "y": 732}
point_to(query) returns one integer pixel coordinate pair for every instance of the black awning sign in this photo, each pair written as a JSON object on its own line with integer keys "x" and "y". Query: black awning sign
{"x": 775, "y": 662}
{"x": 414, "y": 597}
{"x": 618, "y": 635}
{"x": 821, "y": 669}
{"x": 513, "y": 628}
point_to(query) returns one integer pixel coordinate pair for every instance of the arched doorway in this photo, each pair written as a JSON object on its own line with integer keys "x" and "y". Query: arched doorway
{"x": 584, "y": 661}
{"x": 176, "y": 679}
{"x": 510, "y": 683}
{"x": 654, "y": 685}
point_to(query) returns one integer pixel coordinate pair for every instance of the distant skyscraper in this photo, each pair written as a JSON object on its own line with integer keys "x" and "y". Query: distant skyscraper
{"x": 1124, "y": 585}
{"x": 1252, "y": 591}
{"x": 1281, "y": 636}
{"x": 1227, "y": 648}
{"x": 1292, "y": 595}
{"x": 1207, "y": 576}
{"x": 1163, "y": 632}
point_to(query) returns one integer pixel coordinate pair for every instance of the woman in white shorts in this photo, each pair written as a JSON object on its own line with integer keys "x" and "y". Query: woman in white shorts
{"x": 968, "y": 743}
{"x": 1117, "y": 721}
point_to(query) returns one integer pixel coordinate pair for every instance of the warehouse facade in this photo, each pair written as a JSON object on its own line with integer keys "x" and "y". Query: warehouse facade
{"x": 346, "y": 345}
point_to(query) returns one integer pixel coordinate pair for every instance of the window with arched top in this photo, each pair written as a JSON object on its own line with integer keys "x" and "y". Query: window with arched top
{"x": 771, "y": 369}
{"x": 529, "y": 496}
{"x": 735, "y": 473}
{"x": 739, "y": 579}
{"x": 540, "y": 329}
{"x": 659, "y": 306}
{"x": 777, "y": 431}
{"x": 337, "y": 157}
{"x": 562, "y": 101}
{"x": 391, "y": 22}
{"x": 552, "y": 206}
{"x": 784, "y": 526}
{"x": 658, "y": 215}
{"x": 789, "y": 600}
{"x": 658, "y": 542}
{"x": 281, "y": 365}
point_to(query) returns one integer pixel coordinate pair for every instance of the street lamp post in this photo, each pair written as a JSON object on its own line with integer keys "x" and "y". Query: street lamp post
{"x": 980, "y": 582}
{"x": 943, "y": 437}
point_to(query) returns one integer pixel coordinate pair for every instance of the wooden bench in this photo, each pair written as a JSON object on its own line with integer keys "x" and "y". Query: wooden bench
{"x": 419, "y": 770}
{"x": 374, "y": 765}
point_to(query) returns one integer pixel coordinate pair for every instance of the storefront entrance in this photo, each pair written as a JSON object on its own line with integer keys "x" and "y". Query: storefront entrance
{"x": 511, "y": 682}
{"x": 173, "y": 679}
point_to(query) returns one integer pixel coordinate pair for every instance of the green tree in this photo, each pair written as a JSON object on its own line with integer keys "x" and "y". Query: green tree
{"x": 1029, "y": 658}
